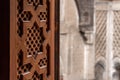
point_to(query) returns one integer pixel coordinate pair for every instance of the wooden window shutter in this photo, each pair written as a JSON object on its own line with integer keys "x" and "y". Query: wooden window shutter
{"x": 32, "y": 24}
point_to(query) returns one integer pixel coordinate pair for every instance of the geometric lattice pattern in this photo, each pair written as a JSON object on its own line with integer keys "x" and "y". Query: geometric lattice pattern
{"x": 43, "y": 16}
{"x": 25, "y": 16}
{"x": 35, "y": 3}
{"x": 43, "y": 62}
{"x": 37, "y": 76}
{"x": 20, "y": 18}
{"x": 22, "y": 68}
{"x": 116, "y": 34}
{"x": 33, "y": 40}
{"x": 100, "y": 38}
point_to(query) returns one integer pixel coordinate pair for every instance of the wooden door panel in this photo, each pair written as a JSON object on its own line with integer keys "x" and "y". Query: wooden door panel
{"x": 32, "y": 40}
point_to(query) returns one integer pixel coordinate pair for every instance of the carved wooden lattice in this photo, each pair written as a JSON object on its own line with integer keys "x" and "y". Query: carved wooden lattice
{"x": 116, "y": 34}
{"x": 100, "y": 40}
{"x": 33, "y": 44}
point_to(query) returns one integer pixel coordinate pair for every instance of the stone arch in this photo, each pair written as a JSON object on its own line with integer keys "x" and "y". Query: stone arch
{"x": 116, "y": 66}
{"x": 116, "y": 60}
{"x": 100, "y": 59}
{"x": 99, "y": 70}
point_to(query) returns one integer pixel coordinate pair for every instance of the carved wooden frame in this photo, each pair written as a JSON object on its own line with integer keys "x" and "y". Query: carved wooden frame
{"x": 54, "y": 22}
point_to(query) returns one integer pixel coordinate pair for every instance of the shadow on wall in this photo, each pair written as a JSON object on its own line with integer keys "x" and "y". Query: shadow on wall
{"x": 99, "y": 70}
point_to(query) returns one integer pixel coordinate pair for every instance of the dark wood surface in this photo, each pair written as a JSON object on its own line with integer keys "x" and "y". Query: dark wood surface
{"x": 4, "y": 40}
{"x": 57, "y": 38}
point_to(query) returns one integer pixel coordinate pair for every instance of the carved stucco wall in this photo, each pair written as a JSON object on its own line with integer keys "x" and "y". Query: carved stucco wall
{"x": 107, "y": 38}
{"x": 71, "y": 44}
{"x": 76, "y": 58}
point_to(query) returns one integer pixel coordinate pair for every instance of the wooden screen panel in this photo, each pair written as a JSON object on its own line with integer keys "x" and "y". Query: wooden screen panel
{"x": 32, "y": 40}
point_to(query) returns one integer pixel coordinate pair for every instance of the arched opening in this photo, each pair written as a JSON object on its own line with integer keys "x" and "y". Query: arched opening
{"x": 99, "y": 71}
{"x": 116, "y": 74}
